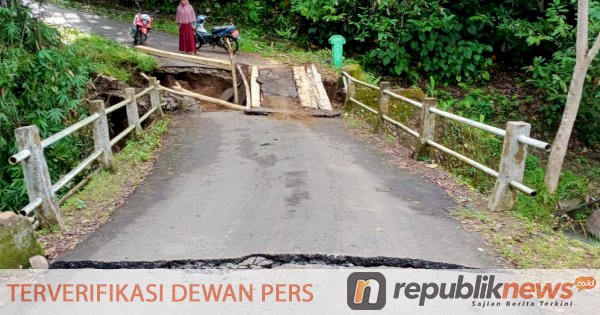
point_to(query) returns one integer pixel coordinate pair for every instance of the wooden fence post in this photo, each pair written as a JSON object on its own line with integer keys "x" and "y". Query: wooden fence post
{"x": 101, "y": 135}
{"x": 154, "y": 96}
{"x": 426, "y": 128}
{"x": 350, "y": 93}
{"x": 37, "y": 177}
{"x": 384, "y": 101}
{"x": 133, "y": 116}
{"x": 512, "y": 166}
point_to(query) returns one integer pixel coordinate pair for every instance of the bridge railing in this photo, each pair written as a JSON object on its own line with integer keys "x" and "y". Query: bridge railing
{"x": 40, "y": 190}
{"x": 514, "y": 151}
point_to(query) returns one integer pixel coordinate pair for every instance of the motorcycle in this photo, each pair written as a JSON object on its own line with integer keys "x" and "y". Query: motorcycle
{"x": 217, "y": 35}
{"x": 142, "y": 23}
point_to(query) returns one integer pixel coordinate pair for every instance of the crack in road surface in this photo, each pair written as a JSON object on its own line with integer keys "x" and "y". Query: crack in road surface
{"x": 263, "y": 261}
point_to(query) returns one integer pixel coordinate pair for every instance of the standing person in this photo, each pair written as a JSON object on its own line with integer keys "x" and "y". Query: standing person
{"x": 186, "y": 17}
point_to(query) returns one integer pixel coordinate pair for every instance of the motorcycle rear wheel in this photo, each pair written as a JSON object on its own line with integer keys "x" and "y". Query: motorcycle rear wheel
{"x": 235, "y": 44}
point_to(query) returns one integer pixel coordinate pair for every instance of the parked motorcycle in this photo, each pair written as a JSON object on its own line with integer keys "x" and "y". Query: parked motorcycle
{"x": 142, "y": 23}
{"x": 217, "y": 35}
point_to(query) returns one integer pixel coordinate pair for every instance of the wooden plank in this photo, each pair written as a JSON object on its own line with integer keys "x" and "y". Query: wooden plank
{"x": 236, "y": 99}
{"x": 322, "y": 97}
{"x": 302, "y": 85}
{"x": 246, "y": 86}
{"x": 312, "y": 89}
{"x": 184, "y": 57}
{"x": 184, "y": 92}
{"x": 254, "y": 86}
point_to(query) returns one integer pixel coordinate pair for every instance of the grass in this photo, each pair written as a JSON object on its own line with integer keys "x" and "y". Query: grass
{"x": 106, "y": 190}
{"x": 527, "y": 244}
{"x": 105, "y": 56}
{"x": 529, "y": 236}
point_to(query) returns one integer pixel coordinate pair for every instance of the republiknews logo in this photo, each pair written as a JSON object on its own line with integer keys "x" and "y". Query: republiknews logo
{"x": 366, "y": 291}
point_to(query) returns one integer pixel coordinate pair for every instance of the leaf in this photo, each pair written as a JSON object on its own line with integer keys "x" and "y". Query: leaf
{"x": 485, "y": 75}
{"x": 398, "y": 70}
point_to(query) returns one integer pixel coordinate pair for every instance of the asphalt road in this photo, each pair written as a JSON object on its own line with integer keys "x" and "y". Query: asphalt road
{"x": 227, "y": 185}
{"x": 117, "y": 31}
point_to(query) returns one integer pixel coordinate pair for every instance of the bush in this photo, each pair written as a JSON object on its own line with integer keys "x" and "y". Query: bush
{"x": 41, "y": 83}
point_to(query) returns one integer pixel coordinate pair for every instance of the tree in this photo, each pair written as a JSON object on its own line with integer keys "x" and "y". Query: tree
{"x": 584, "y": 57}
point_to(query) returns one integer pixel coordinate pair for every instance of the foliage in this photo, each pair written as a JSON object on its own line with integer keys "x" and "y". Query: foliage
{"x": 553, "y": 76}
{"x": 50, "y": 99}
{"x": 109, "y": 58}
{"x": 542, "y": 207}
{"x": 527, "y": 244}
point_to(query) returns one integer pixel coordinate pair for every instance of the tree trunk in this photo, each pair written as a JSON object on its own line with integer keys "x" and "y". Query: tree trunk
{"x": 561, "y": 141}
{"x": 583, "y": 60}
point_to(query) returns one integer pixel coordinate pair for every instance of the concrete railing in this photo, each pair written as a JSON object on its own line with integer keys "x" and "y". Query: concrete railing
{"x": 40, "y": 190}
{"x": 516, "y": 140}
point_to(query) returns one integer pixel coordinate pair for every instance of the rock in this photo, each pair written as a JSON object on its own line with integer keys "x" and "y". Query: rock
{"x": 104, "y": 83}
{"x": 17, "y": 241}
{"x": 171, "y": 102}
{"x": 569, "y": 204}
{"x": 593, "y": 224}
{"x": 39, "y": 262}
{"x": 227, "y": 95}
{"x": 7, "y": 216}
{"x": 188, "y": 102}
{"x": 353, "y": 70}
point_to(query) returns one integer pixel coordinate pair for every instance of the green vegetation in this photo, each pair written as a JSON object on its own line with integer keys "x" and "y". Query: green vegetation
{"x": 43, "y": 82}
{"x": 492, "y": 61}
{"x": 107, "y": 57}
{"x": 106, "y": 185}
{"x": 451, "y": 41}
{"x": 528, "y": 244}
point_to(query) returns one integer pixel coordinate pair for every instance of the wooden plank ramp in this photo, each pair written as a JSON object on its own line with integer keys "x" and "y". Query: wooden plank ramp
{"x": 303, "y": 87}
{"x": 318, "y": 89}
{"x": 255, "y": 86}
{"x": 216, "y": 63}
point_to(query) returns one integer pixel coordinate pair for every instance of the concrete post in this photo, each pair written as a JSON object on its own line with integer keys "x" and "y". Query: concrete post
{"x": 37, "y": 177}
{"x": 154, "y": 96}
{"x": 426, "y": 128}
{"x": 101, "y": 135}
{"x": 512, "y": 166}
{"x": 133, "y": 116}
{"x": 350, "y": 93}
{"x": 384, "y": 101}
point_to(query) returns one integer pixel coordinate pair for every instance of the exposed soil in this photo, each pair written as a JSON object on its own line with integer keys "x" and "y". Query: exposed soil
{"x": 209, "y": 84}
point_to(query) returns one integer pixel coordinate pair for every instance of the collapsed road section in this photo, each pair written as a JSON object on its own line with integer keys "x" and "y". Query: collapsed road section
{"x": 258, "y": 89}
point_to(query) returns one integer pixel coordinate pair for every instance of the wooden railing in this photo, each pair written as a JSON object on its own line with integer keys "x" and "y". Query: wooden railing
{"x": 41, "y": 191}
{"x": 514, "y": 152}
